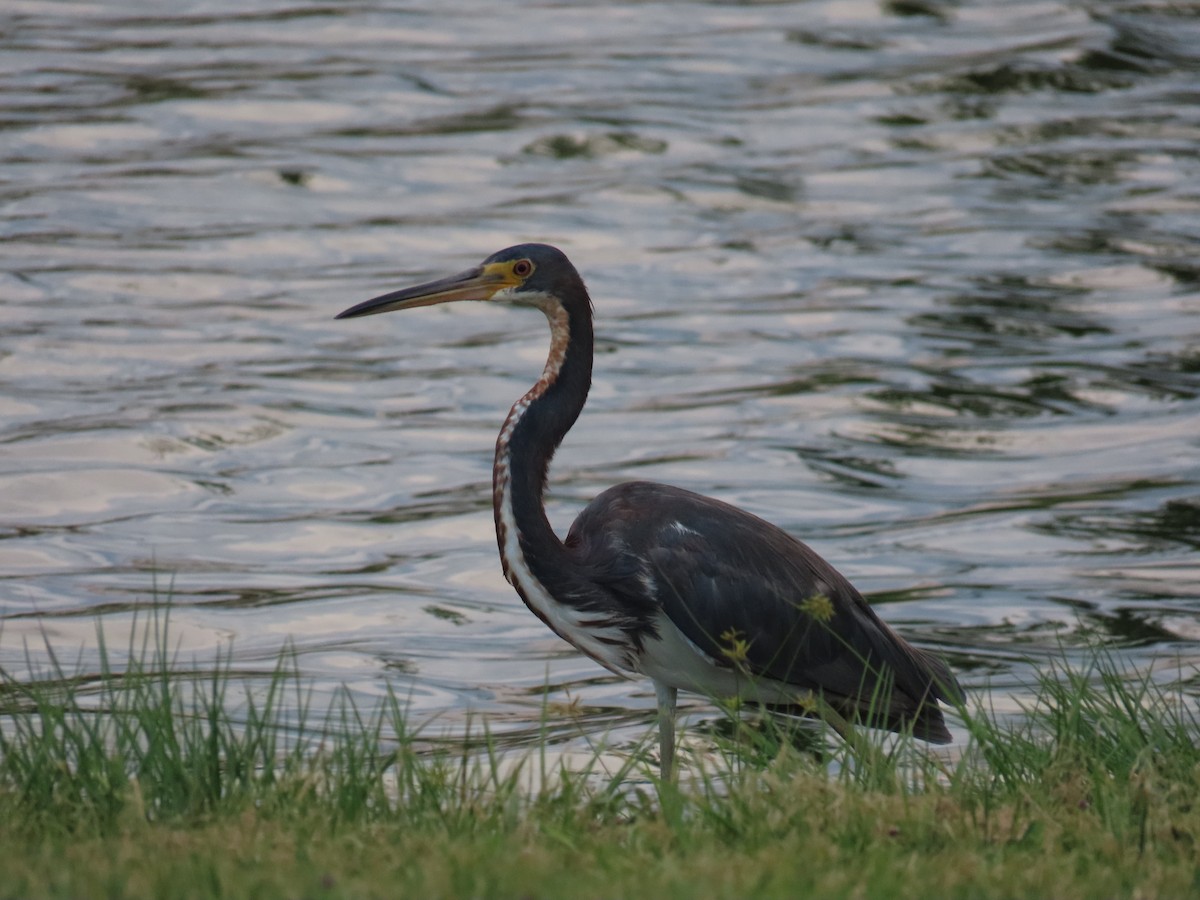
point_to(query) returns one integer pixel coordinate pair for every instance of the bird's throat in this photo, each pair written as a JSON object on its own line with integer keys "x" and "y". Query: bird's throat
{"x": 535, "y": 427}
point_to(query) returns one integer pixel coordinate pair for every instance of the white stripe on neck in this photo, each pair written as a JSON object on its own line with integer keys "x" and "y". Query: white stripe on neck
{"x": 581, "y": 628}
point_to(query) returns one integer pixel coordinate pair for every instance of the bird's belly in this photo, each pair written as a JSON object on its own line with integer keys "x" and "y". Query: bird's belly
{"x": 673, "y": 659}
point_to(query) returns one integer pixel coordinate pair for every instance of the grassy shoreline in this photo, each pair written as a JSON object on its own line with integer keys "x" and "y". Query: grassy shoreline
{"x": 151, "y": 789}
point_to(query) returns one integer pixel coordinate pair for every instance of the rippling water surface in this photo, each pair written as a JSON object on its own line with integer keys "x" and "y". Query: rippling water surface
{"x": 917, "y": 281}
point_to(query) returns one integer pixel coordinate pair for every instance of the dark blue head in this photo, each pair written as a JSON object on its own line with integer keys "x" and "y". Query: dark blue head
{"x": 525, "y": 275}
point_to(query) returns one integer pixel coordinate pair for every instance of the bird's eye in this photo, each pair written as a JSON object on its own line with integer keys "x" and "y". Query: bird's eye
{"x": 522, "y": 267}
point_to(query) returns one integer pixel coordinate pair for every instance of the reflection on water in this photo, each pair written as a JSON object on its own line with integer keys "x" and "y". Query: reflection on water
{"x": 915, "y": 281}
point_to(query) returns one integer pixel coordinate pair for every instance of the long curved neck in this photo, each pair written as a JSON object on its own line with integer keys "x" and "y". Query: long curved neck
{"x": 532, "y": 432}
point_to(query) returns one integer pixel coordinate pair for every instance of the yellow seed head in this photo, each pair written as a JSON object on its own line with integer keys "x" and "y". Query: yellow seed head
{"x": 818, "y": 606}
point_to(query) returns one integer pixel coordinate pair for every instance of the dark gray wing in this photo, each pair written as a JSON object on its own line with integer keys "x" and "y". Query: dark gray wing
{"x": 752, "y": 597}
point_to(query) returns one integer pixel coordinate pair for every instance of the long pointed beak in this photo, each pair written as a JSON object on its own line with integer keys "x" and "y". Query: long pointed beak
{"x": 479, "y": 283}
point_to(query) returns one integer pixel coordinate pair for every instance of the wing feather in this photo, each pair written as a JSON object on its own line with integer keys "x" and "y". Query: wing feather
{"x": 752, "y": 597}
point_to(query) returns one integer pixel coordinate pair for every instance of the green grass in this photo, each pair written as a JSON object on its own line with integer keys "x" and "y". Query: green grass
{"x": 141, "y": 783}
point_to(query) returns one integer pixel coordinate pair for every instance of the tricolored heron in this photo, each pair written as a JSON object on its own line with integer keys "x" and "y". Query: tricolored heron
{"x": 658, "y": 581}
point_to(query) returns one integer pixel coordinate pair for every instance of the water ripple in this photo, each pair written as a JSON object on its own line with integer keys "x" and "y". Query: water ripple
{"x": 916, "y": 281}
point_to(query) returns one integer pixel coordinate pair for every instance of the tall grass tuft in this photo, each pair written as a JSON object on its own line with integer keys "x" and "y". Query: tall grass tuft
{"x": 1100, "y": 737}
{"x": 79, "y": 749}
{"x": 84, "y": 752}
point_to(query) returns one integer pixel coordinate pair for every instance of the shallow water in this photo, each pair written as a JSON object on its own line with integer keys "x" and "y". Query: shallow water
{"x": 916, "y": 281}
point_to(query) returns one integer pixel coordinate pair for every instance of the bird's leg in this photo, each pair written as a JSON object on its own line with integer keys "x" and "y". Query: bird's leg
{"x": 816, "y": 704}
{"x": 667, "y": 697}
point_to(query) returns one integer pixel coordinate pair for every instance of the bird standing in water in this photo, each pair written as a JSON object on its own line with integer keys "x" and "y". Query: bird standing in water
{"x": 658, "y": 581}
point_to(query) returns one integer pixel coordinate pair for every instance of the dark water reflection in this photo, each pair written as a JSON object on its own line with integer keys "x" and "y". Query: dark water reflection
{"x": 917, "y": 281}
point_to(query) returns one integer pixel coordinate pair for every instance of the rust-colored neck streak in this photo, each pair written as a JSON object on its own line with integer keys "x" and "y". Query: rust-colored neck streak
{"x": 532, "y": 432}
